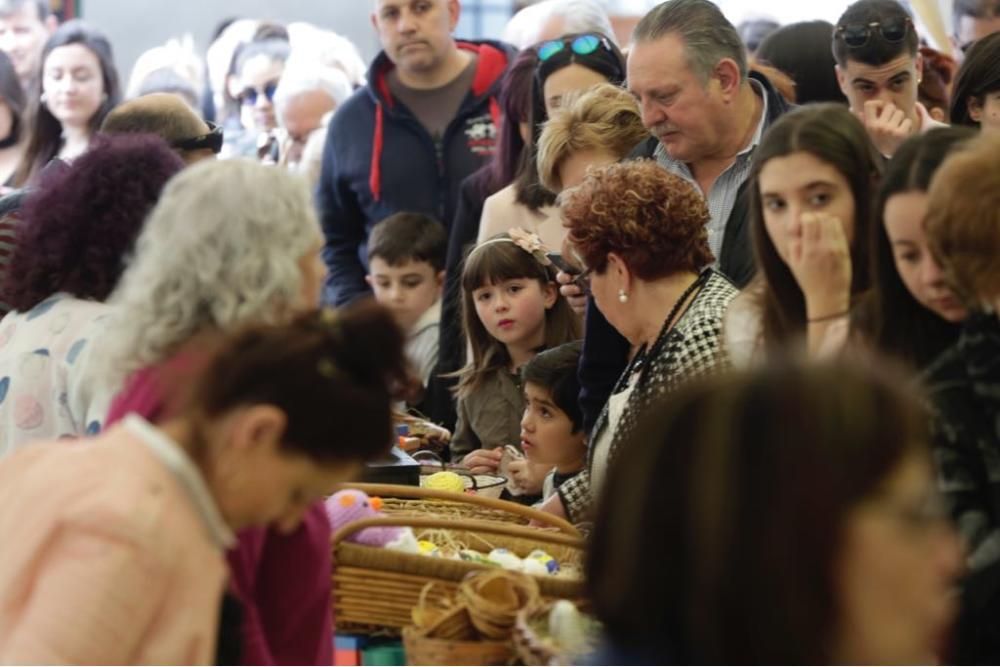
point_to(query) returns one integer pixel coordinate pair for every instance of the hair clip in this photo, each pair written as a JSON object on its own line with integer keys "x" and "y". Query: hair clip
{"x": 531, "y": 243}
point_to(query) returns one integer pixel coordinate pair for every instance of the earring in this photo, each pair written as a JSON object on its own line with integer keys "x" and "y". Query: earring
{"x": 43, "y": 98}
{"x": 622, "y": 296}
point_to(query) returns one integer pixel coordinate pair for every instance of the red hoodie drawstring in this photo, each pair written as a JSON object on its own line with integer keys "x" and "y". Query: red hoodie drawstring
{"x": 495, "y": 112}
{"x": 375, "y": 175}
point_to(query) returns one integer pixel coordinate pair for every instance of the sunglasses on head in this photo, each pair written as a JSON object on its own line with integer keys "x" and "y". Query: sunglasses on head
{"x": 582, "y": 46}
{"x": 250, "y": 95}
{"x": 893, "y": 31}
{"x": 211, "y": 141}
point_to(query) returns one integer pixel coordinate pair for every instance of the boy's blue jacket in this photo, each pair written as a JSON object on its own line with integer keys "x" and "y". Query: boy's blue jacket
{"x": 379, "y": 160}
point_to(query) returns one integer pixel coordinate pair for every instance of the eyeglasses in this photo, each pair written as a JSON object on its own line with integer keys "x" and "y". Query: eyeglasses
{"x": 250, "y": 95}
{"x": 211, "y": 141}
{"x": 582, "y": 46}
{"x": 892, "y": 31}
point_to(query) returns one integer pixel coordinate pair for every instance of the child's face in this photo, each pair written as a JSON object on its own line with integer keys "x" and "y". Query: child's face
{"x": 513, "y": 311}
{"x": 407, "y": 290}
{"x": 547, "y": 432}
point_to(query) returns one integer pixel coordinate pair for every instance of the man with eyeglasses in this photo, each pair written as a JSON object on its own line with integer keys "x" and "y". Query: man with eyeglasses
{"x": 426, "y": 120}
{"x": 971, "y": 21}
{"x": 879, "y": 69}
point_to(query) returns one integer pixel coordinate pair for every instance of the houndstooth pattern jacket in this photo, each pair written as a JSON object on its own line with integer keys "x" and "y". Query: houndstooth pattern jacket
{"x": 692, "y": 348}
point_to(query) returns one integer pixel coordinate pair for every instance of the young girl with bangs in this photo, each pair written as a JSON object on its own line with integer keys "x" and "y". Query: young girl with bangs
{"x": 512, "y": 309}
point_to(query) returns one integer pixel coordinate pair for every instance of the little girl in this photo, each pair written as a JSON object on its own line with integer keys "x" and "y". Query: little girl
{"x": 120, "y": 559}
{"x": 512, "y": 309}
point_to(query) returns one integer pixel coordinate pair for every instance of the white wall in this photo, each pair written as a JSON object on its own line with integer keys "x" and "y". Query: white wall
{"x": 136, "y": 25}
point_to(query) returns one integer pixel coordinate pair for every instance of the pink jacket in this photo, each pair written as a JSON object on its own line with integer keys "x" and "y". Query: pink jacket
{"x": 106, "y": 556}
{"x": 283, "y": 581}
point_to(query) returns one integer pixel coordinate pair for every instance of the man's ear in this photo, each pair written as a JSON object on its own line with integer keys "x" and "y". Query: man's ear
{"x": 439, "y": 278}
{"x": 454, "y": 13}
{"x": 727, "y": 73}
{"x": 368, "y": 279}
{"x": 841, "y": 79}
{"x": 51, "y": 23}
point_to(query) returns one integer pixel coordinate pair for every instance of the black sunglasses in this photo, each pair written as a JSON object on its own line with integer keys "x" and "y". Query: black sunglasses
{"x": 211, "y": 141}
{"x": 892, "y": 31}
{"x": 249, "y": 95}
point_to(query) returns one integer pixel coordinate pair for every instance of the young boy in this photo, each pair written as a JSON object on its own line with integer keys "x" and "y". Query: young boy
{"x": 406, "y": 257}
{"x": 552, "y": 431}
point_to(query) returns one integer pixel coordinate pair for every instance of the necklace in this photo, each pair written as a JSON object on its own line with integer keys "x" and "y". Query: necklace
{"x": 639, "y": 361}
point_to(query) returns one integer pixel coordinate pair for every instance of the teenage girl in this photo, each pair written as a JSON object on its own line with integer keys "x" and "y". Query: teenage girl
{"x": 512, "y": 310}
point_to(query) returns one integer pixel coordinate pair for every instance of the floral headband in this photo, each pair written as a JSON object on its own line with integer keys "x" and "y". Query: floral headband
{"x": 523, "y": 239}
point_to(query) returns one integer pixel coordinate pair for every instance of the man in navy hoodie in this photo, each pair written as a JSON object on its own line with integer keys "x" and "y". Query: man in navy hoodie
{"x": 425, "y": 121}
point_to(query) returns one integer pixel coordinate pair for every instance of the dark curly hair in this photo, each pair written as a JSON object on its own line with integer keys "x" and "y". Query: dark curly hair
{"x": 80, "y": 222}
{"x": 655, "y": 221}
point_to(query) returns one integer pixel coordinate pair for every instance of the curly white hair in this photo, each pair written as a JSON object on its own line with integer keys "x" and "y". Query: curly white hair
{"x": 224, "y": 245}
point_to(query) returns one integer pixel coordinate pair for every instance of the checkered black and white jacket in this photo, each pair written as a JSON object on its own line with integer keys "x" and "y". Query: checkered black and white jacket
{"x": 692, "y": 348}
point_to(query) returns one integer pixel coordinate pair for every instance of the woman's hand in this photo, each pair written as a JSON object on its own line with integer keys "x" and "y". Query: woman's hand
{"x": 574, "y": 294}
{"x": 819, "y": 256}
{"x": 528, "y": 477}
{"x": 483, "y": 461}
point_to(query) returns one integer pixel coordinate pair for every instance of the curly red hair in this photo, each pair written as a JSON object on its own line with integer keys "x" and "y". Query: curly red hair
{"x": 655, "y": 221}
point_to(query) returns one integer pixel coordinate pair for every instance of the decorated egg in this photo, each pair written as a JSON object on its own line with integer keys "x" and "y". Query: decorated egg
{"x": 427, "y": 548}
{"x": 445, "y": 481}
{"x": 506, "y": 559}
{"x": 550, "y": 564}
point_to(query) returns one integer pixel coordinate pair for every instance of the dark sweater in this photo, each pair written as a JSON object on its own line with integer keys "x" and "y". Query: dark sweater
{"x": 379, "y": 160}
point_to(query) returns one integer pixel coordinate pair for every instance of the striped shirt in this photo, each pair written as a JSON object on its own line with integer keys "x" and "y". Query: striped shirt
{"x": 722, "y": 196}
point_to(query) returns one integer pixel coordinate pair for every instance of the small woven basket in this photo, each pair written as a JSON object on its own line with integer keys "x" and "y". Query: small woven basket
{"x": 422, "y": 650}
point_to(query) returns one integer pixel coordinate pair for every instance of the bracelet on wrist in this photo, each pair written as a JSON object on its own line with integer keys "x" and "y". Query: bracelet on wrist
{"x": 827, "y": 318}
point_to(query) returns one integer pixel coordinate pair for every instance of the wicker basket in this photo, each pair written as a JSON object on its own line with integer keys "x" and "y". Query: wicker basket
{"x": 375, "y": 589}
{"x": 421, "y": 650}
{"x": 418, "y": 501}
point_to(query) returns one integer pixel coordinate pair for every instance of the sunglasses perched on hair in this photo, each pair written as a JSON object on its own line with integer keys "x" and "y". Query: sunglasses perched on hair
{"x": 582, "y": 46}
{"x": 892, "y": 31}
{"x": 250, "y": 95}
{"x": 211, "y": 141}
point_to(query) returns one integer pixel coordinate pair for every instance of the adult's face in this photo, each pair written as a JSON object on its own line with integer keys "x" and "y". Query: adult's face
{"x": 918, "y": 269}
{"x": 569, "y": 79}
{"x": 258, "y": 81}
{"x": 894, "y": 82}
{"x": 416, "y": 34}
{"x": 895, "y": 573}
{"x": 301, "y": 115}
{"x": 72, "y": 84}
{"x": 685, "y": 113}
{"x": 797, "y": 184}
{"x": 22, "y": 37}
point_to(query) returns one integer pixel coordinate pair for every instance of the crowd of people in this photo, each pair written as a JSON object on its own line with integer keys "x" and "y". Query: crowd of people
{"x": 730, "y": 293}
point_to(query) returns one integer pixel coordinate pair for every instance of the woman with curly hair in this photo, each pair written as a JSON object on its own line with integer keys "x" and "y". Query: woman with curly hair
{"x": 640, "y": 232}
{"x": 78, "y": 226}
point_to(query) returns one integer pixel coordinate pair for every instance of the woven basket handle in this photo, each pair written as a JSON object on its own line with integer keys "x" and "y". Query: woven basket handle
{"x": 471, "y": 525}
{"x": 530, "y": 513}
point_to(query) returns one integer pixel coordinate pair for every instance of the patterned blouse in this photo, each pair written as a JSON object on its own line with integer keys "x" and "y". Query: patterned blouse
{"x": 43, "y": 356}
{"x": 693, "y": 347}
